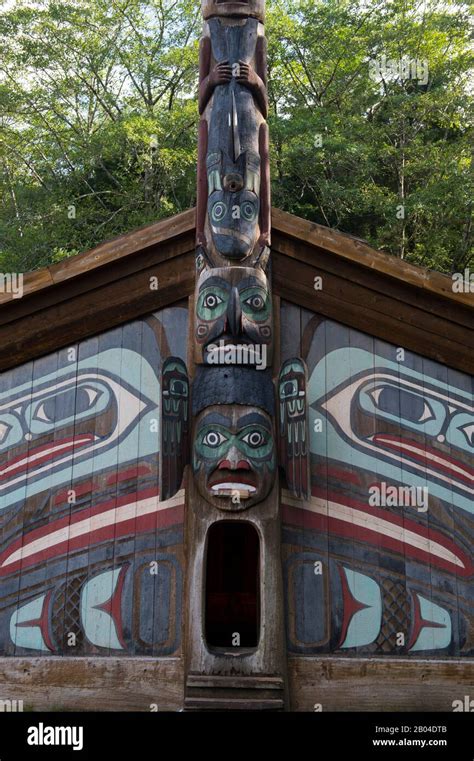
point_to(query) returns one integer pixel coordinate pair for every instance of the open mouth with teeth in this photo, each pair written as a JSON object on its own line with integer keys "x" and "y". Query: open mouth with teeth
{"x": 227, "y": 483}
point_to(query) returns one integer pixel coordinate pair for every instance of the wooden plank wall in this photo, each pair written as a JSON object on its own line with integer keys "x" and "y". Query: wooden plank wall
{"x": 91, "y": 563}
{"x": 371, "y": 572}
{"x": 93, "y": 684}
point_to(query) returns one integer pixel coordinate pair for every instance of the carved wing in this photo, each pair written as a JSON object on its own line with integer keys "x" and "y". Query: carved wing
{"x": 293, "y": 430}
{"x": 174, "y": 445}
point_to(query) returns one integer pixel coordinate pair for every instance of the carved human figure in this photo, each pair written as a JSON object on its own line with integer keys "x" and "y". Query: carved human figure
{"x": 234, "y": 451}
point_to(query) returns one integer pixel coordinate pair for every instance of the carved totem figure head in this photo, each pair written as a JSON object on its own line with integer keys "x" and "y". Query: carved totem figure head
{"x": 225, "y": 8}
{"x": 233, "y": 317}
{"x": 234, "y": 203}
{"x": 234, "y": 452}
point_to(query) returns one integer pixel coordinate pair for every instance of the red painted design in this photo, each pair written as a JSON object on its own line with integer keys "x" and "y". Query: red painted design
{"x": 301, "y": 517}
{"x": 42, "y": 622}
{"x": 80, "y": 490}
{"x": 400, "y": 444}
{"x": 351, "y": 605}
{"x": 51, "y": 450}
{"x": 139, "y": 524}
{"x": 113, "y": 606}
{"x": 127, "y": 475}
{"x": 419, "y": 622}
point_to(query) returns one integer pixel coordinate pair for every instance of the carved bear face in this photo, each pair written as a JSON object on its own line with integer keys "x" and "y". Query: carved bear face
{"x": 233, "y": 309}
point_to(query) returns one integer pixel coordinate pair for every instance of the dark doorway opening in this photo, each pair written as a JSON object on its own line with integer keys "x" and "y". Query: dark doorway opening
{"x": 232, "y": 585}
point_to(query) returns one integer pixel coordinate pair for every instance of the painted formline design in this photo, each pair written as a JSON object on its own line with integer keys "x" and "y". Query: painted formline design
{"x": 136, "y": 513}
{"x": 351, "y": 518}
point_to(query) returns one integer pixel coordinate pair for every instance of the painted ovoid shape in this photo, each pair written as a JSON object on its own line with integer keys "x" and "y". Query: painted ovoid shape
{"x": 233, "y": 308}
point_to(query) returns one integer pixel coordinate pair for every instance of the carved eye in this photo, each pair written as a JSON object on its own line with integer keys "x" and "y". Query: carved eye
{"x": 249, "y": 212}
{"x": 289, "y": 389}
{"x": 256, "y": 303}
{"x": 254, "y": 439}
{"x": 218, "y": 211}
{"x": 212, "y": 301}
{"x": 213, "y": 439}
{"x": 178, "y": 388}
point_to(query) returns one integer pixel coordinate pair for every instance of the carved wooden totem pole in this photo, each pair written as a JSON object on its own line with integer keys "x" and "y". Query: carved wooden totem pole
{"x": 227, "y": 418}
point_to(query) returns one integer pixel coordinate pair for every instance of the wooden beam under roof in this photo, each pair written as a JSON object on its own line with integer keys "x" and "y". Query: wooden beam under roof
{"x": 366, "y": 289}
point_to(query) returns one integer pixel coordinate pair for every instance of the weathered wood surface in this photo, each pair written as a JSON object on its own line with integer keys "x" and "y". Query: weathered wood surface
{"x": 111, "y": 251}
{"x": 353, "y": 249}
{"x": 134, "y": 684}
{"x": 110, "y": 284}
{"x": 405, "y": 316}
{"x": 378, "y": 684}
{"x": 93, "y": 684}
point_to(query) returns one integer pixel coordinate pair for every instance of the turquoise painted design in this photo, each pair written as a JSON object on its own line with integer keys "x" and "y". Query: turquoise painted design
{"x": 117, "y": 383}
{"x": 350, "y": 384}
{"x": 100, "y": 626}
{"x": 435, "y": 626}
{"x": 26, "y": 625}
{"x": 365, "y": 610}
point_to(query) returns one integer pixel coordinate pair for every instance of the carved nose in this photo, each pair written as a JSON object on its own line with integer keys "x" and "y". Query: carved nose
{"x": 234, "y": 464}
{"x": 234, "y": 313}
{"x": 233, "y": 182}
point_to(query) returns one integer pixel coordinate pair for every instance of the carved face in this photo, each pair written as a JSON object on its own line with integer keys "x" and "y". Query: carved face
{"x": 233, "y": 218}
{"x": 234, "y": 204}
{"x": 234, "y": 457}
{"x": 233, "y": 308}
{"x": 233, "y": 8}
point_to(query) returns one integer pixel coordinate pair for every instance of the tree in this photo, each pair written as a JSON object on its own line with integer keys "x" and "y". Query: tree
{"x": 371, "y": 122}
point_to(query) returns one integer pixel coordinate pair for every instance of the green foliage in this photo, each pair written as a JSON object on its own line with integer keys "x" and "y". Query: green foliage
{"x": 98, "y": 122}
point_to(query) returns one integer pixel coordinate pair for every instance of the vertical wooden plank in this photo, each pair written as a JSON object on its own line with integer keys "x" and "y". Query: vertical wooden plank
{"x": 461, "y": 387}
{"x": 15, "y": 384}
{"x": 81, "y": 487}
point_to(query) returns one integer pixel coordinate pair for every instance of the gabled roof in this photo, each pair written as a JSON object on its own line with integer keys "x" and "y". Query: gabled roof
{"x": 366, "y": 289}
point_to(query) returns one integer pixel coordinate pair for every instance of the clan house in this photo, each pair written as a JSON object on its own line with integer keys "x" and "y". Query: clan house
{"x": 236, "y": 452}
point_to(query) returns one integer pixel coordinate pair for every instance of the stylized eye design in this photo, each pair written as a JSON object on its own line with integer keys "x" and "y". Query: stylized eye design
{"x": 254, "y": 439}
{"x": 178, "y": 388}
{"x": 67, "y": 404}
{"x": 213, "y": 439}
{"x": 402, "y": 404}
{"x": 468, "y": 431}
{"x": 257, "y": 302}
{"x": 212, "y": 301}
{"x": 219, "y": 211}
{"x": 289, "y": 389}
{"x": 249, "y": 211}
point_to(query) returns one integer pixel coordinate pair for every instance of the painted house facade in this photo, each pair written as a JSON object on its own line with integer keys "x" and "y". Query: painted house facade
{"x": 356, "y": 595}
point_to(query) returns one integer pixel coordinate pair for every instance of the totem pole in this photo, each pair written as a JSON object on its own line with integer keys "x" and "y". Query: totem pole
{"x": 225, "y": 418}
